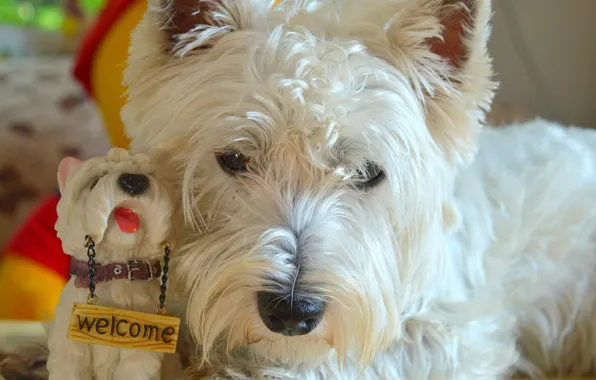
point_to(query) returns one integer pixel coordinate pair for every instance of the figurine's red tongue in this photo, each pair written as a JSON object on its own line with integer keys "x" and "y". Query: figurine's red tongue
{"x": 127, "y": 219}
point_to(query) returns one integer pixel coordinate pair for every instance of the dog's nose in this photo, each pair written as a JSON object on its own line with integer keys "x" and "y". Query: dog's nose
{"x": 133, "y": 184}
{"x": 287, "y": 316}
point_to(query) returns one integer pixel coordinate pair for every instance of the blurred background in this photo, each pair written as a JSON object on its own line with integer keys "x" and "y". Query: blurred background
{"x": 544, "y": 53}
{"x": 44, "y": 112}
{"x": 545, "y": 56}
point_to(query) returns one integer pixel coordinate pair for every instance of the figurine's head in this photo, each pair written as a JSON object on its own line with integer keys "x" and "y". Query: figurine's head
{"x": 118, "y": 200}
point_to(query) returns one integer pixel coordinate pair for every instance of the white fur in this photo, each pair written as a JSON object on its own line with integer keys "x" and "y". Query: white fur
{"x": 472, "y": 260}
{"x": 83, "y": 211}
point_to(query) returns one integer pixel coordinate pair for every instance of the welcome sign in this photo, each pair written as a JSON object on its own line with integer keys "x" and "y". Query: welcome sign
{"x": 123, "y": 328}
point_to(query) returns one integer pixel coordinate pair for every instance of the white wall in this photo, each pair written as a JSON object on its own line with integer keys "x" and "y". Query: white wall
{"x": 560, "y": 36}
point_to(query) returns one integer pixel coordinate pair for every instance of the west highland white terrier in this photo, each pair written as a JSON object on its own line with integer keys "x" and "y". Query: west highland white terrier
{"x": 346, "y": 215}
{"x": 117, "y": 201}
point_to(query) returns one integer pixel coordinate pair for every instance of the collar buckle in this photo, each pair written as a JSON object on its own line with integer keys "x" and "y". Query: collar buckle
{"x": 130, "y": 269}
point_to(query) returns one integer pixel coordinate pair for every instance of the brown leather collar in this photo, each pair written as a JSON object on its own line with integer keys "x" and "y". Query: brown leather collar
{"x": 134, "y": 270}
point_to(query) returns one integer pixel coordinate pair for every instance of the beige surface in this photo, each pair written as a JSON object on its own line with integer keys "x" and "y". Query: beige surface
{"x": 35, "y": 330}
{"x": 28, "y": 329}
{"x": 14, "y": 334}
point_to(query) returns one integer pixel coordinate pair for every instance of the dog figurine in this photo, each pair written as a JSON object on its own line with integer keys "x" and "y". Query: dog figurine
{"x": 119, "y": 201}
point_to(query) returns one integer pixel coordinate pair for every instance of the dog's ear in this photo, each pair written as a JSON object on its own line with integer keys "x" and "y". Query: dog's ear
{"x": 458, "y": 20}
{"x": 196, "y": 24}
{"x": 172, "y": 33}
{"x": 441, "y": 45}
{"x": 180, "y": 17}
{"x": 458, "y": 87}
{"x": 65, "y": 168}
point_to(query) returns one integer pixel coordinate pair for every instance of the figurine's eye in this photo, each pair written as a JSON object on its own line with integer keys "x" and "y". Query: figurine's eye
{"x": 370, "y": 176}
{"x": 232, "y": 162}
{"x": 96, "y": 180}
{"x": 94, "y": 183}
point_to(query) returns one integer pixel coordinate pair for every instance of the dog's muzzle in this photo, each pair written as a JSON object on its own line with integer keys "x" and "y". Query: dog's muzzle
{"x": 288, "y": 315}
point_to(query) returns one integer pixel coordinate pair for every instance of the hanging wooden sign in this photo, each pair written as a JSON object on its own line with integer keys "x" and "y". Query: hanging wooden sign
{"x": 123, "y": 328}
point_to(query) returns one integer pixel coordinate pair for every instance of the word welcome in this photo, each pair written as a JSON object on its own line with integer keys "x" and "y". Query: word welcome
{"x": 123, "y": 328}
{"x": 105, "y": 326}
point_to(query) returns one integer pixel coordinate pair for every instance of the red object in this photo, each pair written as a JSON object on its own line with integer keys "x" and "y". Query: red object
{"x": 37, "y": 240}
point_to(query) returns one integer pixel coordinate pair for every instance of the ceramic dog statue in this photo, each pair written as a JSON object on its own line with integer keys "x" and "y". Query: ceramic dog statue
{"x": 118, "y": 201}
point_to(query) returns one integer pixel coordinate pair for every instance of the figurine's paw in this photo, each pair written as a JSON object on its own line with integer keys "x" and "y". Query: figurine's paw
{"x": 70, "y": 376}
{"x": 235, "y": 374}
{"x": 211, "y": 374}
{"x": 71, "y": 373}
{"x": 138, "y": 365}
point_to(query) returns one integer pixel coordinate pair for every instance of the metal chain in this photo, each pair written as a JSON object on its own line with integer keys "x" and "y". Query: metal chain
{"x": 92, "y": 297}
{"x": 90, "y": 245}
{"x": 161, "y": 309}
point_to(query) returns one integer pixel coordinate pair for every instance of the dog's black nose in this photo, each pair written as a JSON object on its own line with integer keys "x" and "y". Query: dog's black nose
{"x": 287, "y": 316}
{"x": 133, "y": 184}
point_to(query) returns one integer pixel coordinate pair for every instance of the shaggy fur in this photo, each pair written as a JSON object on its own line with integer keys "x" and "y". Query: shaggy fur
{"x": 461, "y": 264}
{"x": 90, "y": 193}
{"x": 471, "y": 258}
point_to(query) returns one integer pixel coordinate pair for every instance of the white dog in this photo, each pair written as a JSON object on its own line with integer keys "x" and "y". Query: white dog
{"x": 118, "y": 201}
{"x": 346, "y": 216}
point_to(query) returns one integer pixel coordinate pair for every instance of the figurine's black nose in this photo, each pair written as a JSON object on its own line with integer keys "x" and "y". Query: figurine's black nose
{"x": 287, "y": 316}
{"x": 133, "y": 184}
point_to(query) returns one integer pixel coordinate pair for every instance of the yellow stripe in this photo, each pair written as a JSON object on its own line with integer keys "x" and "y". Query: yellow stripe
{"x": 107, "y": 70}
{"x": 28, "y": 290}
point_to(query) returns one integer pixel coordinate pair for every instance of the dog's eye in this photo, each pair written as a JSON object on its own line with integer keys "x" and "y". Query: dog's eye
{"x": 232, "y": 162}
{"x": 370, "y": 176}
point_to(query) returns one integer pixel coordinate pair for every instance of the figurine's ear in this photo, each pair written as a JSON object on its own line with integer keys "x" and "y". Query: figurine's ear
{"x": 65, "y": 168}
